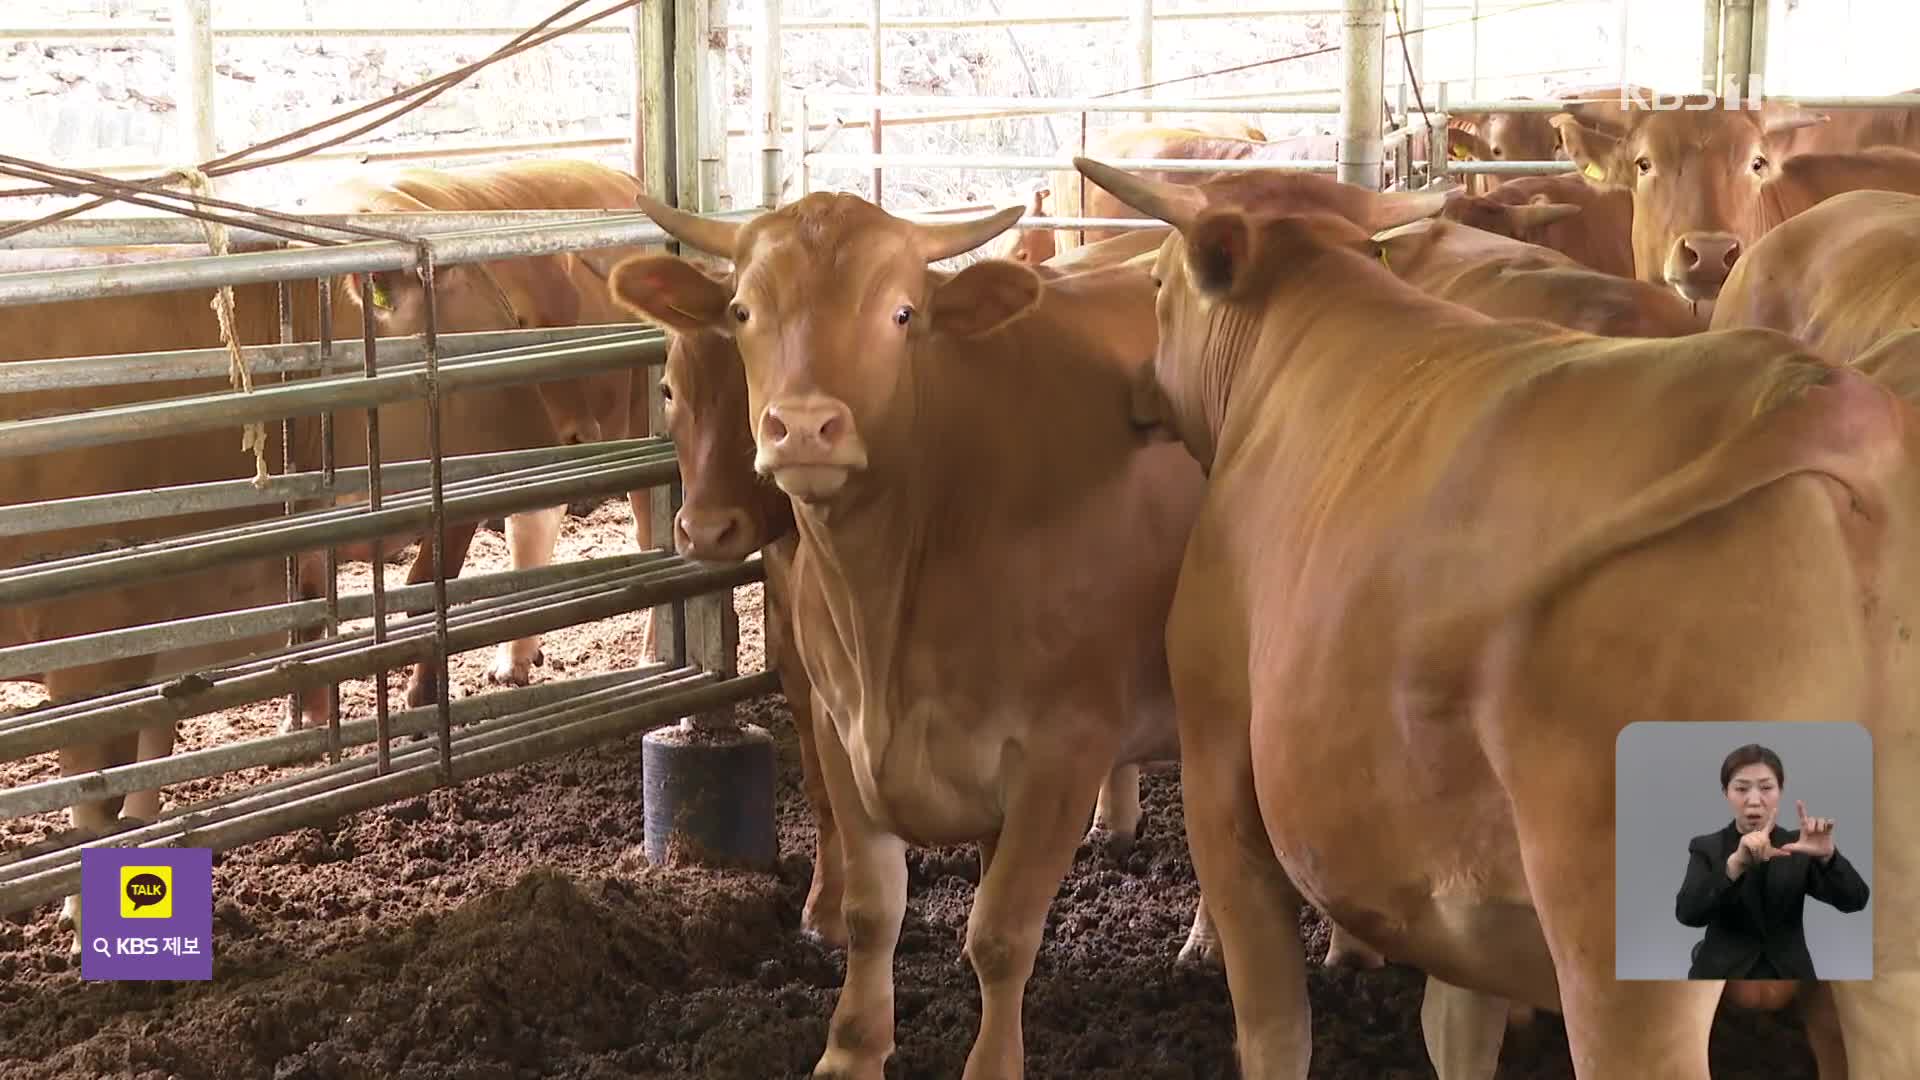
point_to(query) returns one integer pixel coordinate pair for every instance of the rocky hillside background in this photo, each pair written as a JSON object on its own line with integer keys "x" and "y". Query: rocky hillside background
{"x": 111, "y": 100}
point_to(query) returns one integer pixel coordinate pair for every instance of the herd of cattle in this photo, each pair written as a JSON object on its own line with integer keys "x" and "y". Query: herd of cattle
{"x": 1381, "y": 513}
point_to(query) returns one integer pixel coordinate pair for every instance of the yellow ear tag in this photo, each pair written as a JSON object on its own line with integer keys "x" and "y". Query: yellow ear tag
{"x": 1593, "y": 172}
{"x": 1383, "y": 259}
{"x": 1457, "y": 153}
{"x": 380, "y": 298}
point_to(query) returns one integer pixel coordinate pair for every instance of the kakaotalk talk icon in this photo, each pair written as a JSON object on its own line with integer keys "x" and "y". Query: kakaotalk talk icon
{"x": 146, "y": 913}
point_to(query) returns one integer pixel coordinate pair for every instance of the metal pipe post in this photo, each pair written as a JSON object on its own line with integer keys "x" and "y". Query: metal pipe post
{"x": 1736, "y": 49}
{"x": 1140, "y": 28}
{"x": 1362, "y": 48}
{"x": 193, "y": 76}
{"x": 878, "y": 134}
{"x": 715, "y": 188}
{"x": 1623, "y": 10}
{"x": 1710, "y": 48}
{"x": 766, "y": 100}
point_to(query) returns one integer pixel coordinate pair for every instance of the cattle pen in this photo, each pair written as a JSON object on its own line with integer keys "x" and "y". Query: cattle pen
{"x": 477, "y": 885}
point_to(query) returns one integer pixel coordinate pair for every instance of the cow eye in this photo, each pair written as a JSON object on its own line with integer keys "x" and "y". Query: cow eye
{"x": 1155, "y": 278}
{"x": 1759, "y": 164}
{"x": 666, "y": 392}
{"x": 1645, "y": 165}
{"x": 739, "y": 313}
{"x": 903, "y": 316}
{"x": 1499, "y": 152}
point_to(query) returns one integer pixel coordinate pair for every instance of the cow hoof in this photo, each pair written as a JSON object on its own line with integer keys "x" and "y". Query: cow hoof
{"x": 69, "y": 915}
{"x": 823, "y": 940}
{"x": 421, "y": 693}
{"x": 828, "y": 932}
{"x": 1200, "y": 956}
{"x": 1114, "y": 846}
{"x": 511, "y": 672}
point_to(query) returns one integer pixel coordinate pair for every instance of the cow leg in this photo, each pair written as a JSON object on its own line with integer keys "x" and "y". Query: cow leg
{"x": 1203, "y": 941}
{"x": 1116, "y": 814}
{"x": 530, "y": 539}
{"x": 1463, "y": 1030}
{"x": 1030, "y": 859}
{"x": 1345, "y": 950}
{"x": 94, "y": 815}
{"x": 311, "y": 577}
{"x": 1877, "y": 1017}
{"x": 639, "y": 503}
{"x": 823, "y": 918}
{"x": 423, "y": 685}
{"x": 860, "y": 1034}
{"x": 1822, "y": 1020}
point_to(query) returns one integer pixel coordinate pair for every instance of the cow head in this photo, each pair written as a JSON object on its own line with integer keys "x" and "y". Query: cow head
{"x": 1235, "y": 237}
{"x": 829, "y": 299}
{"x": 1031, "y": 246}
{"x": 1698, "y": 177}
{"x": 726, "y": 512}
{"x": 1501, "y": 136}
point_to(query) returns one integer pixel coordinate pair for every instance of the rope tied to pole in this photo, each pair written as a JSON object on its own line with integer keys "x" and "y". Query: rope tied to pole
{"x": 253, "y": 436}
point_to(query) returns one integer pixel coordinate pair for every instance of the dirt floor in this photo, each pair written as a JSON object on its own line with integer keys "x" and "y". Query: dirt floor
{"x": 511, "y": 928}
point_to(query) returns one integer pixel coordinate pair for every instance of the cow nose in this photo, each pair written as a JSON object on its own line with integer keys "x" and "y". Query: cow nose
{"x": 818, "y": 425}
{"x": 713, "y": 534}
{"x": 1701, "y": 262}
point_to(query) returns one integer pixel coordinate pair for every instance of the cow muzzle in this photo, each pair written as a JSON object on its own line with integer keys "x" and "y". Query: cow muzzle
{"x": 809, "y": 446}
{"x": 1699, "y": 263}
{"x": 726, "y": 535}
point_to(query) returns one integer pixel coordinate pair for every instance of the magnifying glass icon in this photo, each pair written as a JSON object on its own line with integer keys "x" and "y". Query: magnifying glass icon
{"x": 100, "y": 946}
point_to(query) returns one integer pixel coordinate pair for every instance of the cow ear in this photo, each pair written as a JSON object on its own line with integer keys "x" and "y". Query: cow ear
{"x": 1466, "y": 146}
{"x": 1220, "y": 252}
{"x": 984, "y": 297}
{"x": 672, "y": 292}
{"x": 1593, "y": 151}
{"x": 390, "y": 289}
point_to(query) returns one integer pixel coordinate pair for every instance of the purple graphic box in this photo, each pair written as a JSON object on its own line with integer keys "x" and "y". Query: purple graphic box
{"x": 146, "y": 913}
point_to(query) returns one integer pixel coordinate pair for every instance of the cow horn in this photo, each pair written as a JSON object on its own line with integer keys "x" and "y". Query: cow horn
{"x": 1175, "y": 204}
{"x": 706, "y": 234}
{"x": 947, "y": 239}
{"x": 1535, "y": 214}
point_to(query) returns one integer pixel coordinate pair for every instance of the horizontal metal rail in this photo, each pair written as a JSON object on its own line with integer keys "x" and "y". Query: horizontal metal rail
{"x": 354, "y": 656}
{"x": 489, "y": 747}
{"x": 961, "y": 161}
{"x": 371, "y": 152}
{"x": 309, "y": 397}
{"x": 1551, "y": 105}
{"x": 152, "y": 30}
{"x": 227, "y": 626}
{"x": 1071, "y": 104}
{"x": 168, "y": 229}
{"x": 50, "y": 795}
{"x": 310, "y": 530}
{"x": 394, "y": 353}
{"x": 84, "y": 511}
{"x": 253, "y": 267}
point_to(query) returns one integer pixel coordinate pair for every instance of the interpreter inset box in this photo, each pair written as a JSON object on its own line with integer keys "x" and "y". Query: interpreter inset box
{"x": 1743, "y": 851}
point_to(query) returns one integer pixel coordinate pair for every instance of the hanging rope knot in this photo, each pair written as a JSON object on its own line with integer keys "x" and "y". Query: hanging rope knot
{"x": 253, "y": 437}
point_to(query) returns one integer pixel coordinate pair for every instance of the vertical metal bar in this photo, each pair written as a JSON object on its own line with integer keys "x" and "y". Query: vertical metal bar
{"x": 805, "y": 126}
{"x": 879, "y": 141}
{"x": 1710, "y": 48}
{"x": 284, "y": 300}
{"x": 193, "y": 76}
{"x": 1736, "y": 48}
{"x": 1437, "y": 147}
{"x": 766, "y": 98}
{"x": 369, "y": 366}
{"x": 1362, "y": 48}
{"x": 640, "y": 13}
{"x": 653, "y": 47}
{"x": 1473, "y": 69}
{"x": 1079, "y": 184}
{"x": 437, "y": 515}
{"x": 1757, "y": 77}
{"x": 1623, "y": 10}
{"x": 715, "y": 188}
{"x": 327, "y": 465}
{"x": 1140, "y": 28}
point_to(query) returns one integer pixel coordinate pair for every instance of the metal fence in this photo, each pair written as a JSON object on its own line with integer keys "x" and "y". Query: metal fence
{"x": 426, "y": 623}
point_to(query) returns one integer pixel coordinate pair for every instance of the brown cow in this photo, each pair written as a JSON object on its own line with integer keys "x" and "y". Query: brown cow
{"x": 538, "y": 292}
{"x": 1839, "y": 276}
{"x": 727, "y": 514}
{"x": 956, "y": 452}
{"x": 1542, "y": 210}
{"x": 1433, "y": 526}
{"x": 1843, "y": 130}
{"x": 1705, "y": 186}
{"x": 1509, "y": 279}
{"x": 1530, "y": 136}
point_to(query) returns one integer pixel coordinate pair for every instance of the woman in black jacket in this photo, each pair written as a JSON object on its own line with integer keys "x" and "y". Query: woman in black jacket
{"x": 1748, "y": 883}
